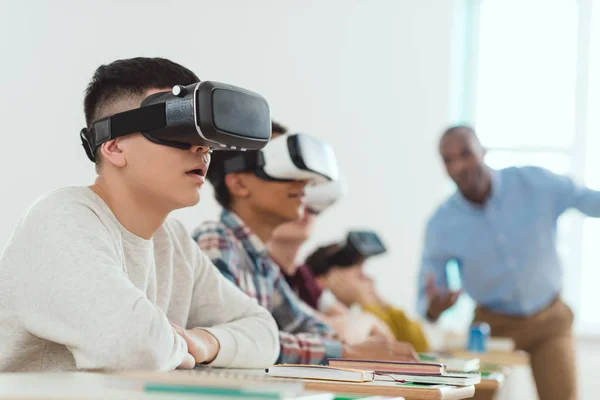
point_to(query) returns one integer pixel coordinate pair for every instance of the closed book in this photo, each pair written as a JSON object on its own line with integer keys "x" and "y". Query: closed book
{"x": 454, "y": 364}
{"x": 319, "y": 372}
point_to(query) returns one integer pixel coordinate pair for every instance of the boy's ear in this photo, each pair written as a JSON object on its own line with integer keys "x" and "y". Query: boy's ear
{"x": 237, "y": 185}
{"x": 112, "y": 153}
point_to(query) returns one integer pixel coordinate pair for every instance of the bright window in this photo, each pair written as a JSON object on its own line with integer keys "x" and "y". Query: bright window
{"x": 590, "y": 256}
{"x": 527, "y": 73}
{"x": 524, "y": 86}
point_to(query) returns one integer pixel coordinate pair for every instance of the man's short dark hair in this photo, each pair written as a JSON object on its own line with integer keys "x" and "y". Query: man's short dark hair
{"x": 458, "y": 128}
{"x": 216, "y": 170}
{"x": 122, "y": 83}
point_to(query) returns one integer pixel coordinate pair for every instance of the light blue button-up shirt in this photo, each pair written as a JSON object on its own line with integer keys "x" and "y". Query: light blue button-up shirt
{"x": 506, "y": 250}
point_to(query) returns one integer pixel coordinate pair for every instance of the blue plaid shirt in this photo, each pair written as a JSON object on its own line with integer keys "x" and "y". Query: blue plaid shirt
{"x": 244, "y": 259}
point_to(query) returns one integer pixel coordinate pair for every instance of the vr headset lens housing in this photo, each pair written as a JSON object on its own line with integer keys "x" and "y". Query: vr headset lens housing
{"x": 299, "y": 157}
{"x": 320, "y": 197}
{"x": 288, "y": 158}
{"x": 207, "y": 113}
{"x": 367, "y": 243}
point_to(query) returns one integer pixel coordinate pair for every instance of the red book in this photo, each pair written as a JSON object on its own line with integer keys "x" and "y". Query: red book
{"x": 398, "y": 367}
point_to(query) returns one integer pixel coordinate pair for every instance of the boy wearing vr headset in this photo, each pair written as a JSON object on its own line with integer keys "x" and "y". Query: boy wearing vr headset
{"x": 98, "y": 277}
{"x": 339, "y": 268}
{"x": 259, "y": 191}
{"x": 284, "y": 246}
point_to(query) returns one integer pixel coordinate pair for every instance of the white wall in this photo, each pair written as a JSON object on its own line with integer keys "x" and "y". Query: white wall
{"x": 371, "y": 77}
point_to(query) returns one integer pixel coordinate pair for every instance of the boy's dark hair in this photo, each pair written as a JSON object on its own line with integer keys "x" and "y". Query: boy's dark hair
{"x": 123, "y": 82}
{"x": 319, "y": 261}
{"x": 216, "y": 170}
{"x": 278, "y": 128}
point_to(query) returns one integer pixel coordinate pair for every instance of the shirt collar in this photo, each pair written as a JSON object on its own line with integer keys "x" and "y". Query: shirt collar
{"x": 244, "y": 234}
{"x": 494, "y": 195}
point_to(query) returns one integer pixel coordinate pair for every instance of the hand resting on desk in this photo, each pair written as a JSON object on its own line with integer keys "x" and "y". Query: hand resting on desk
{"x": 202, "y": 346}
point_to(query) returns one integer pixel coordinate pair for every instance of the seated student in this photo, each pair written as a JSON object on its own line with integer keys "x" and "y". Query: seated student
{"x": 353, "y": 287}
{"x": 285, "y": 243}
{"x": 254, "y": 205}
{"x": 99, "y": 277}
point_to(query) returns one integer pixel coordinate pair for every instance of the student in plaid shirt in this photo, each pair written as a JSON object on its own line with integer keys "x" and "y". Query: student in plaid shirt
{"x": 253, "y": 208}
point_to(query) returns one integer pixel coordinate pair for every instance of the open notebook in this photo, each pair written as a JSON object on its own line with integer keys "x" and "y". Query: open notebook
{"x": 398, "y": 367}
{"x": 449, "y": 378}
{"x": 350, "y": 381}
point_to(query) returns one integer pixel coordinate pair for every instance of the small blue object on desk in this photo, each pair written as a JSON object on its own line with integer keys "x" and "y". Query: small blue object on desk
{"x": 478, "y": 337}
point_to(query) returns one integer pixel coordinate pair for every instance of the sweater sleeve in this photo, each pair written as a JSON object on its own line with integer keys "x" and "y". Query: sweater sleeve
{"x": 247, "y": 333}
{"x": 73, "y": 291}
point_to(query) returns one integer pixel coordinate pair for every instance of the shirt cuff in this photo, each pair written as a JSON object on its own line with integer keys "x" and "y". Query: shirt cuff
{"x": 227, "y": 347}
{"x": 179, "y": 355}
{"x": 333, "y": 349}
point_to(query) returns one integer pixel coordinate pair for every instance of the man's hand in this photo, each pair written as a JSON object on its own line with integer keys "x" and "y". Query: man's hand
{"x": 378, "y": 348}
{"x": 439, "y": 300}
{"x": 203, "y": 346}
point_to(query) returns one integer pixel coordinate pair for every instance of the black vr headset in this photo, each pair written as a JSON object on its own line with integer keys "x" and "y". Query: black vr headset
{"x": 221, "y": 116}
{"x": 359, "y": 245}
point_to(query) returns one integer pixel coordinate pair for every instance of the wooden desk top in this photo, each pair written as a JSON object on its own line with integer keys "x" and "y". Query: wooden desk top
{"x": 491, "y": 381}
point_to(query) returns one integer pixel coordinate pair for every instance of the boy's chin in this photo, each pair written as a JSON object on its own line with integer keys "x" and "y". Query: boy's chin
{"x": 292, "y": 216}
{"x": 188, "y": 201}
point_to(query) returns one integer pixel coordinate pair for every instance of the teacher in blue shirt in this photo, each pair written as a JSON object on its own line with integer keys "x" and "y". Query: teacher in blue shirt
{"x": 500, "y": 227}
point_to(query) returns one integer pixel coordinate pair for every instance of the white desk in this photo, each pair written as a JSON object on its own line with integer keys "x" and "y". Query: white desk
{"x": 72, "y": 385}
{"x": 92, "y": 386}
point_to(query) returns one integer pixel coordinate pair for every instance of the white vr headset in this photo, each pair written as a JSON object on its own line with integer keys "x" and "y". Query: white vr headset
{"x": 294, "y": 157}
{"x": 320, "y": 197}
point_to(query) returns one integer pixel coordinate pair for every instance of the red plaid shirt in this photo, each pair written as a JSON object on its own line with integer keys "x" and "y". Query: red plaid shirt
{"x": 244, "y": 259}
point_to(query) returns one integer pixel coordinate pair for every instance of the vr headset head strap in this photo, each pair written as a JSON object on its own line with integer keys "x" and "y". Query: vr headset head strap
{"x": 247, "y": 161}
{"x": 244, "y": 162}
{"x": 141, "y": 119}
